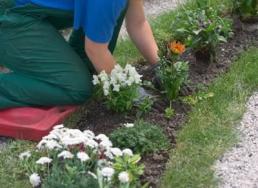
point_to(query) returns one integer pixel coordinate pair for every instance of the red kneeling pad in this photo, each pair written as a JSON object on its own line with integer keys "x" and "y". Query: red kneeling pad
{"x": 31, "y": 123}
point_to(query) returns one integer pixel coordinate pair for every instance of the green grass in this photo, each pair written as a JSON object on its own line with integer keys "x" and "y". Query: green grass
{"x": 211, "y": 127}
{"x": 10, "y": 173}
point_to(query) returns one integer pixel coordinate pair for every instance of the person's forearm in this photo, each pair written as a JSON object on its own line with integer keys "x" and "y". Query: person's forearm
{"x": 100, "y": 57}
{"x": 143, "y": 38}
{"x": 102, "y": 61}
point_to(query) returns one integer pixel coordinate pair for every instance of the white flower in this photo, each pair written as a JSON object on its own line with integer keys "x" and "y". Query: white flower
{"x": 83, "y": 156}
{"x": 127, "y": 152}
{"x": 89, "y": 134}
{"x": 107, "y": 172}
{"x": 123, "y": 177}
{"x": 105, "y": 144}
{"x": 129, "y": 125}
{"x": 24, "y": 155}
{"x": 65, "y": 154}
{"x": 69, "y": 141}
{"x": 44, "y": 160}
{"x": 103, "y": 76}
{"x": 52, "y": 144}
{"x": 109, "y": 154}
{"x": 59, "y": 126}
{"x": 101, "y": 137}
{"x": 35, "y": 180}
{"x": 116, "y": 151}
{"x": 116, "y": 88}
{"x": 95, "y": 80}
{"x": 48, "y": 144}
{"x": 106, "y": 92}
{"x": 50, "y": 137}
{"x": 91, "y": 143}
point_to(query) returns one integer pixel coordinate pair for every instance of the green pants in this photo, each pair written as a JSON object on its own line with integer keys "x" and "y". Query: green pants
{"x": 45, "y": 69}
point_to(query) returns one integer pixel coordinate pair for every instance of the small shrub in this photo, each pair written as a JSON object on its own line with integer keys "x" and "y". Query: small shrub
{"x": 202, "y": 30}
{"x": 142, "y": 138}
{"x": 172, "y": 76}
{"x": 120, "y": 88}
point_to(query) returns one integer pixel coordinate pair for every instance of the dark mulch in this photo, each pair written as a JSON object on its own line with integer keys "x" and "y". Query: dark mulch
{"x": 96, "y": 117}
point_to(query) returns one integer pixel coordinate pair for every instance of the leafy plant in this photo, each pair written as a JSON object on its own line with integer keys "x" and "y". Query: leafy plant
{"x": 130, "y": 166}
{"x": 172, "y": 76}
{"x": 119, "y": 89}
{"x": 71, "y": 158}
{"x": 145, "y": 106}
{"x": 169, "y": 112}
{"x": 202, "y": 30}
{"x": 142, "y": 138}
{"x": 193, "y": 100}
{"x": 246, "y": 8}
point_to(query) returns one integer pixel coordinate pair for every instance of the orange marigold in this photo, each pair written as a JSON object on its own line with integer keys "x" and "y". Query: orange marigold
{"x": 177, "y": 47}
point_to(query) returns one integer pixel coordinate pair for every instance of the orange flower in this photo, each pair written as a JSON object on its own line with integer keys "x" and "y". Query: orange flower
{"x": 177, "y": 47}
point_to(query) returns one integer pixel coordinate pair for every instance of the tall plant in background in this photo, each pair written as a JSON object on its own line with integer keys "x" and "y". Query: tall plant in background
{"x": 202, "y": 30}
{"x": 246, "y": 9}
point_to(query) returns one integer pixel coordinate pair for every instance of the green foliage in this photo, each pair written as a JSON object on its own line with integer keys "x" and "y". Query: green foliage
{"x": 142, "y": 138}
{"x": 246, "y": 8}
{"x": 193, "y": 100}
{"x": 144, "y": 107}
{"x": 69, "y": 177}
{"x": 122, "y": 101}
{"x": 173, "y": 76}
{"x": 131, "y": 166}
{"x": 169, "y": 112}
{"x": 201, "y": 29}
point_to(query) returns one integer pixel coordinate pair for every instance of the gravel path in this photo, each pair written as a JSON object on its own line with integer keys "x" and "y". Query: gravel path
{"x": 238, "y": 168}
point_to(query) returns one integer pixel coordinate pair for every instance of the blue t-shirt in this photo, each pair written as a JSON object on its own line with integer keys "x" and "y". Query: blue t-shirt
{"x": 98, "y": 18}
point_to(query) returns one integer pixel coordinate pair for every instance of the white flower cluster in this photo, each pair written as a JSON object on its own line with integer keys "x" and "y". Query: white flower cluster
{"x": 118, "y": 79}
{"x": 62, "y": 139}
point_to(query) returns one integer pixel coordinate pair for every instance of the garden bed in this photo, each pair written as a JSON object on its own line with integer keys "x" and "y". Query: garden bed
{"x": 96, "y": 117}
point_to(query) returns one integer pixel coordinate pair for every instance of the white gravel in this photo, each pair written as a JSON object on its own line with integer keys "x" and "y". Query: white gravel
{"x": 238, "y": 168}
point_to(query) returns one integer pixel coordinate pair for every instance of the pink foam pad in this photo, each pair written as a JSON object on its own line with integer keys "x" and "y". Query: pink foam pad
{"x": 32, "y": 123}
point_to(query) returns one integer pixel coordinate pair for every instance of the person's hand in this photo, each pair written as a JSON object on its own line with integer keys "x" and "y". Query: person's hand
{"x": 153, "y": 71}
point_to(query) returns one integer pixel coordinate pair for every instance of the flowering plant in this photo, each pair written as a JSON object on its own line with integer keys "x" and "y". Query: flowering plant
{"x": 173, "y": 76}
{"x": 72, "y": 158}
{"x": 120, "y": 87}
{"x": 202, "y": 30}
{"x": 176, "y": 47}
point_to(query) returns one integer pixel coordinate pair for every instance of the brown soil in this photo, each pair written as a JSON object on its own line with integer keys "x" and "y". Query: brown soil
{"x": 96, "y": 117}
